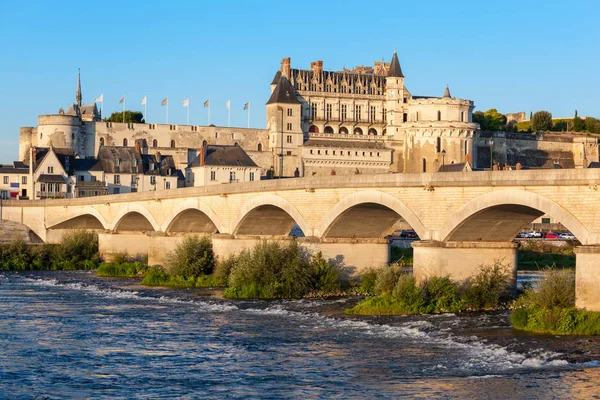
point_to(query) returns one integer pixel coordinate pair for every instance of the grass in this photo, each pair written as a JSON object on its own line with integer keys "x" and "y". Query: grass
{"x": 537, "y": 255}
{"x": 157, "y": 276}
{"x": 398, "y": 293}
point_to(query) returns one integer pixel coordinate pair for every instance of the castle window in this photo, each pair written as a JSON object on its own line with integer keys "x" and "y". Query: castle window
{"x": 155, "y": 143}
{"x": 124, "y": 142}
{"x": 373, "y": 114}
{"x": 405, "y": 99}
{"x": 326, "y": 152}
{"x": 329, "y": 110}
{"x": 172, "y": 144}
{"x": 438, "y": 145}
{"x": 334, "y": 152}
{"x": 288, "y": 153}
{"x": 348, "y": 153}
{"x": 319, "y": 152}
{"x": 101, "y": 141}
{"x": 289, "y": 112}
{"x": 344, "y": 111}
{"x": 424, "y": 165}
{"x": 405, "y": 117}
{"x": 384, "y": 112}
{"x": 216, "y": 135}
{"x": 311, "y": 152}
{"x": 260, "y": 147}
{"x": 289, "y": 126}
{"x": 439, "y": 116}
{"x": 462, "y": 116}
{"x": 357, "y": 113}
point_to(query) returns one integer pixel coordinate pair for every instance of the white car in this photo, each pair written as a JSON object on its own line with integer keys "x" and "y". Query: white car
{"x": 567, "y": 236}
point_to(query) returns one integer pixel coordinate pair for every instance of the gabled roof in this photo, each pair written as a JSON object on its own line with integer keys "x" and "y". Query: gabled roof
{"x": 161, "y": 165}
{"x": 283, "y": 93}
{"x": 395, "y": 70}
{"x": 119, "y": 159}
{"x": 65, "y": 156}
{"x": 222, "y": 155}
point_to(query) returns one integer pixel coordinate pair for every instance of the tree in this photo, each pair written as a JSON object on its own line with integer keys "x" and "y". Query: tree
{"x": 542, "y": 121}
{"x": 496, "y": 121}
{"x": 578, "y": 123}
{"x": 592, "y": 125}
{"x": 479, "y": 118}
{"x": 130, "y": 116}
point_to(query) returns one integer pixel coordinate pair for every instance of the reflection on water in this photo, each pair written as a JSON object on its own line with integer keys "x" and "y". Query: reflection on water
{"x": 71, "y": 335}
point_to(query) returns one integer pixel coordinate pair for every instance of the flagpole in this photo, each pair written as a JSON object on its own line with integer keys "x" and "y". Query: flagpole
{"x": 229, "y": 115}
{"x": 146, "y": 111}
{"x": 188, "y": 111}
{"x": 167, "y": 111}
{"x": 209, "y": 111}
{"x": 248, "y": 114}
{"x": 123, "y": 108}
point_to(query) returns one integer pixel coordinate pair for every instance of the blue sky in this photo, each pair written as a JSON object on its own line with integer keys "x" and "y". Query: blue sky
{"x": 511, "y": 55}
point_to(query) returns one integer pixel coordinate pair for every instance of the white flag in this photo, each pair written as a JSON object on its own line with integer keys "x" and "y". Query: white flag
{"x": 186, "y": 102}
{"x": 122, "y": 100}
{"x": 207, "y": 103}
{"x": 247, "y": 106}
{"x": 100, "y": 99}
{"x": 228, "y": 104}
{"x": 165, "y": 101}
{"x": 144, "y": 100}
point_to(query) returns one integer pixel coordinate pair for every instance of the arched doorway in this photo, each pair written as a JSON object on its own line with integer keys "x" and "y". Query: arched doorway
{"x": 358, "y": 131}
{"x": 328, "y": 129}
{"x": 343, "y": 130}
{"x": 313, "y": 129}
{"x": 373, "y": 132}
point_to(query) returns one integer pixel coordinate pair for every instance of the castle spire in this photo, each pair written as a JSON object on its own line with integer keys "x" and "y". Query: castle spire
{"x": 395, "y": 70}
{"x": 78, "y": 94}
{"x": 447, "y": 92}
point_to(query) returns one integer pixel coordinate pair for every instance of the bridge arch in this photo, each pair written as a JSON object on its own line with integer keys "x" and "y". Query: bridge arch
{"x": 370, "y": 212}
{"x": 272, "y": 214}
{"x": 200, "y": 217}
{"x": 90, "y": 218}
{"x": 499, "y": 215}
{"x": 135, "y": 217}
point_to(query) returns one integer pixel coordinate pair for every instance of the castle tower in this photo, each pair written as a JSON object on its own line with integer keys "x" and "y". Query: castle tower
{"x": 395, "y": 96}
{"x": 284, "y": 128}
{"x": 78, "y": 96}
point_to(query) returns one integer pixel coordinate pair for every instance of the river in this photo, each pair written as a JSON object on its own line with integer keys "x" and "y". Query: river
{"x": 73, "y": 335}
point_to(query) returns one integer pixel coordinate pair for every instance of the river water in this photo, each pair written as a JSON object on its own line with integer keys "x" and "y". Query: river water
{"x": 73, "y": 335}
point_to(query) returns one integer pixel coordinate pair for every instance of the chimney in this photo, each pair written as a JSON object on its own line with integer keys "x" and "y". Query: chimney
{"x": 286, "y": 68}
{"x": 317, "y": 66}
{"x": 202, "y": 153}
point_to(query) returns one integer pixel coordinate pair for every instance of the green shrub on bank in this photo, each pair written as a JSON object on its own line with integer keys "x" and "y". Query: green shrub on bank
{"x": 157, "y": 276}
{"x": 550, "y": 308}
{"x": 76, "y": 250}
{"x": 397, "y": 293}
{"x": 122, "y": 265}
{"x": 192, "y": 258}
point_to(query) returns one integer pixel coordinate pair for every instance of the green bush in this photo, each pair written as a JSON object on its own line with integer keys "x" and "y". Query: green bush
{"x": 489, "y": 288}
{"x": 326, "y": 277}
{"x": 128, "y": 269}
{"x": 155, "y": 276}
{"x": 401, "y": 255}
{"x": 387, "y": 278}
{"x": 192, "y": 257}
{"x": 367, "y": 282}
{"x": 556, "y": 290}
{"x": 408, "y": 294}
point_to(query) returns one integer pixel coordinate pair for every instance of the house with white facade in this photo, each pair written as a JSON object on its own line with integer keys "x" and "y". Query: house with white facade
{"x": 218, "y": 164}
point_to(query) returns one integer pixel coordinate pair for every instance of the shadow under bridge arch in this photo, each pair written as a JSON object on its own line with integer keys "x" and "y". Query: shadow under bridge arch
{"x": 369, "y": 214}
{"x": 268, "y": 215}
{"x": 88, "y": 219}
{"x": 193, "y": 216}
{"x": 499, "y": 215}
{"x": 135, "y": 218}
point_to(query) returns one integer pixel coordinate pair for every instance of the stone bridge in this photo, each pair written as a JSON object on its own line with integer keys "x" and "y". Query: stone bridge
{"x": 463, "y": 219}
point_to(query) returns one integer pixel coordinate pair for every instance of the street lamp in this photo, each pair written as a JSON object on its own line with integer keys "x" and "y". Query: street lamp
{"x": 491, "y": 154}
{"x": 443, "y": 157}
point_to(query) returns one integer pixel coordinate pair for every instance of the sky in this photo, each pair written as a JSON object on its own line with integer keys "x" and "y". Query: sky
{"x": 510, "y": 55}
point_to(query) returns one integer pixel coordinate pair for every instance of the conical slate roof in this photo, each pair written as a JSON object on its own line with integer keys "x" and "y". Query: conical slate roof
{"x": 276, "y": 78}
{"x": 447, "y": 92}
{"x": 395, "y": 70}
{"x": 283, "y": 93}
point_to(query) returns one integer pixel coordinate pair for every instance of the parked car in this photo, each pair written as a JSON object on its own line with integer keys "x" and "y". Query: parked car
{"x": 567, "y": 236}
{"x": 409, "y": 234}
{"x": 524, "y": 235}
{"x": 536, "y": 234}
{"x": 552, "y": 235}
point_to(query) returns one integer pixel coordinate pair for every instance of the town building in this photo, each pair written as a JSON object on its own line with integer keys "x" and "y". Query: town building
{"x": 218, "y": 164}
{"x": 14, "y": 181}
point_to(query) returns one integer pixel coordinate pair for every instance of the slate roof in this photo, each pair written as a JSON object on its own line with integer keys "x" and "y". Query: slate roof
{"x": 345, "y": 144}
{"x": 63, "y": 154}
{"x": 222, "y": 155}
{"x": 594, "y": 164}
{"x": 51, "y": 178}
{"x": 17, "y": 168}
{"x": 395, "y": 70}
{"x": 88, "y": 164}
{"x": 85, "y": 109}
{"x": 447, "y": 92}
{"x": 284, "y": 93}
{"x": 276, "y": 78}
{"x": 457, "y": 167}
{"x": 161, "y": 165}
{"x": 118, "y": 159}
